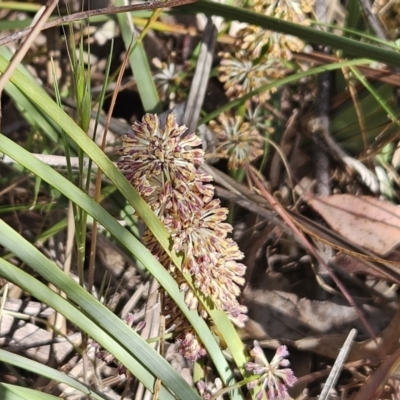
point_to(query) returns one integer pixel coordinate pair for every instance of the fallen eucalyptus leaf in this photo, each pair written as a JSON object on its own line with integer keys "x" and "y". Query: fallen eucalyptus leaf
{"x": 366, "y": 221}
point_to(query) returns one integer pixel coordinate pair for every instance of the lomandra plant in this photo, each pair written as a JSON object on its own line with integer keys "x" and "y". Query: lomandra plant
{"x": 162, "y": 162}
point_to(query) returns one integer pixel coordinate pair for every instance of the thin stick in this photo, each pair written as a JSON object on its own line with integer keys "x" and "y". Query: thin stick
{"x": 338, "y": 366}
{"x": 100, "y": 11}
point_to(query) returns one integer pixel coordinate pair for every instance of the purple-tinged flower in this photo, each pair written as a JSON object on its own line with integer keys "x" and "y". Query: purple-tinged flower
{"x": 274, "y": 378}
{"x": 152, "y": 150}
{"x": 239, "y": 142}
{"x": 242, "y": 73}
{"x": 167, "y": 77}
{"x": 161, "y": 163}
{"x": 256, "y": 40}
{"x": 189, "y": 346}
{"x": 208, "y": 390}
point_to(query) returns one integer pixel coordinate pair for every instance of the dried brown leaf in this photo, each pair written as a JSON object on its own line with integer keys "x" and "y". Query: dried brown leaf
{"x": 366, "y": 221}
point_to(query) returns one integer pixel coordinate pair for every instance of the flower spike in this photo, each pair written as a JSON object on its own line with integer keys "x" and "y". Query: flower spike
{"x": 161, "y": 163}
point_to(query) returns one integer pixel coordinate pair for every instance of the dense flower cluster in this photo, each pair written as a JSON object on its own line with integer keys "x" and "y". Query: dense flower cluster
{"x": 239, "y": 141}
{"x": 161, "y": 163}
{"x": 274, "y": 379}
{"x": 241, "y": 73}
{"x": 170, "y": 78}
{"x": 208, "y": 391}
{"x": 255, "y": 39}
{"x": 260, "y": 56}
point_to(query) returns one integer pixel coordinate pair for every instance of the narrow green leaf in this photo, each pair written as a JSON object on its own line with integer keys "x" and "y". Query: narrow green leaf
{"x": 113, "y": 334}
{"x": 14, "y": 392}
{"x": 138, "y": 62}
{"x": 351, "y": 47}
{"x": 38, "y": 368}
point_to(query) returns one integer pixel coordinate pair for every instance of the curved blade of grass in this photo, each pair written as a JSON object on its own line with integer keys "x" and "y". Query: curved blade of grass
{"x": 146, "y": 214}
{"x": 14, "y": 392}
{"x": 34, "y": 366}
{"x": 138, "y": 62}
{"x": 141, "y": 359}
{"x": 350, "y": 47}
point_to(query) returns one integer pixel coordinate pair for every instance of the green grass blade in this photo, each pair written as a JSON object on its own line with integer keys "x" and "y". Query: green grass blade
{"x": 18, "y": 6}
{"x": 382, "y": 103}
{"x": 138, "y": 62}
{"x": 126, "y": 345}
{"x": 38, "y": 368}
{"x": 351, "y": 47}
{"x": 14, "y": 392}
